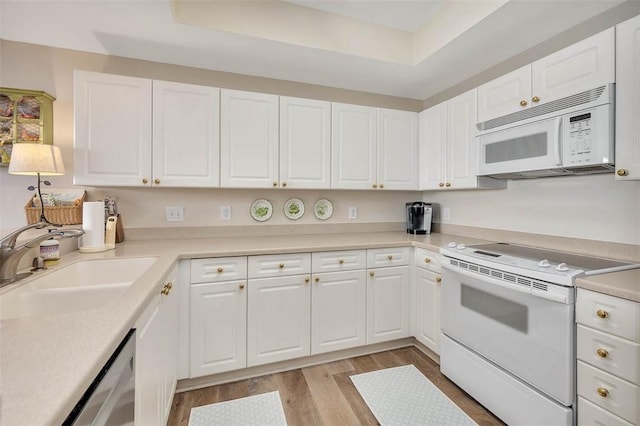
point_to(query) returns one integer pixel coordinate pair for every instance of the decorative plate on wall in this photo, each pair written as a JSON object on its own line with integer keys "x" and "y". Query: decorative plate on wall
{"x": 323, "y": 209}
{"x": 261, "y": 210}
{"x": 293, "y": 208}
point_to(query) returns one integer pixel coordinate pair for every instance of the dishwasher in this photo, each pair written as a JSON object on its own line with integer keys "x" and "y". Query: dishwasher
{"x": 110, "y": 398}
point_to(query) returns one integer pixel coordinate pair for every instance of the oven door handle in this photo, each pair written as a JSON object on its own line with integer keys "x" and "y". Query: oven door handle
{"x": 527, "y": 290}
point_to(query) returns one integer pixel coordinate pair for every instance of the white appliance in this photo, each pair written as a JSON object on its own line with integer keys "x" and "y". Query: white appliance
{"x": 573, "y": 135}
{"x": 508, "y": 328}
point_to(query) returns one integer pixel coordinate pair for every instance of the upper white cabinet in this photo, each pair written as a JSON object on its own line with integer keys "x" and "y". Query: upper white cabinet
{"x": 248, "y": 139}
{"x": 579, "y": 67}
{"x": 305, "y": 143}
{"x": 138, "y": 132}
{"x": 112, "y": 139}
{"x": 373, "y": 148}
{"x": 186, "y": 135}
{"x": 628, "y": 99}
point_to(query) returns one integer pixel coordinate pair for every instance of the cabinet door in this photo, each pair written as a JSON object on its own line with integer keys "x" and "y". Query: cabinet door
{"x": 338, "y": 307}
{"x": 305, "y": 143}
{"x": 249, "y": 139}
{"x": 628, "y": 99}
{"x": 428, "y": 309}
{"x": 279, "y": 319}
{"x": 112, "y": 138}
{"x": 218, "y": 327}
{"x": 505, "y": 95}
{"x": 397, "y": 149}
{"x": 170, "y": 306}
{"x": 387, "y": 304}
{"x": 462, "y": 149}
{"x": 582, "y": 66}
{"x": 433, "y": 145}
{"x": 186, "y": 135}
{"x": 353, "y": 146}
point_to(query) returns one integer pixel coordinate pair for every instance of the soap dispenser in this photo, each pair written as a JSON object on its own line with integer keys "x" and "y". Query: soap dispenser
{"x": 110, "y": 232}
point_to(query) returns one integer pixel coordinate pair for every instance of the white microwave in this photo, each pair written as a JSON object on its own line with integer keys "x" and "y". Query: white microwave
{"x": 576, "y": 140}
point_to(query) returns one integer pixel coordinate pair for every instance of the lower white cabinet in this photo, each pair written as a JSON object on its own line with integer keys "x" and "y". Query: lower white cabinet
{"x": 279, "y": 319}
{"x": 156, "y": 369}
{"x": 427, "y": 280}
{"x": 387, "y": 304}
{"x": 338, "y": 311}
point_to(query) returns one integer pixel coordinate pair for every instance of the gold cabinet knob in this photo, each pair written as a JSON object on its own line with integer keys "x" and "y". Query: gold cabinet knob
{"x": 603, "y": 392}
{"x": 441, "y": 184}
{"x": 281, "y": 265}
{"x": 220, "y": 269}
{"x": 275, "y": 183}
{"x": 284, "y": 184}
{"x": 535, "y": 99}
{"x": 169, "y": 285}
{"x": 448, "y": 184}
{"x": 390, "y": 257}
{"x": 156, "y": 181}
{"x": 602, "y": 314}
{"x": 341, "y": 261}
{"x": 306, "y": 279}
{"x": 523, "y": 103}
{"x": 622, "y": 172}
{"x": 165, "y": 290}
{"x": 438, "y": 280}
{"x": 145, "y": 181}
{"x": 602, "y": 353}
{"x": 381, "y": 185}
{"x": 374, "y": 185}
{"x": 317, "y": 279}
{"x": 427, "y": 260}
{"x": 241, "y": 286}
{"x": 371, "y": 273}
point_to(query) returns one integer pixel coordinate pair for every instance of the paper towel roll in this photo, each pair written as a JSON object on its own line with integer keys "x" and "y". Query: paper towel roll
{"x": 93, "y": 224}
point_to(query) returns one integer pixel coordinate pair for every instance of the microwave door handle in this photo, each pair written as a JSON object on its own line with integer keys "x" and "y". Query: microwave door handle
{"x": 557, "y": 145}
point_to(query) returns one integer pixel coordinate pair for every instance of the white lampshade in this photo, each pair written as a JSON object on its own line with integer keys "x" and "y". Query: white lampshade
{"x": 34, "y": 158}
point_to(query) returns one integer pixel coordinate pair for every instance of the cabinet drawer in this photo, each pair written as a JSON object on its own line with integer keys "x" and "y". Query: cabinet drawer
{"x": 333, "y": 261}
{"x": 427, "y": 259}
{"x": 590, "y": 414}
{"x": 380, "y": 258}
{"x": 279, "y": 265}
{"x": 612, "y": 354}
{"x": 620, "y": 397}
{"x": 218, "y": 269}
{"x": 609, "y": 314}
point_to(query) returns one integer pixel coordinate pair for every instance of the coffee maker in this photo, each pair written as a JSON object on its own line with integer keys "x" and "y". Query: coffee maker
{"x": 419, "y": 217}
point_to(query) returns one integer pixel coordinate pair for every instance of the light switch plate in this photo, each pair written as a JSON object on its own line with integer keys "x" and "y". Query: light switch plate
{"x": 225, "y": 212}
{"x": 353, "y": 212}
{"x": 175, "y": 214}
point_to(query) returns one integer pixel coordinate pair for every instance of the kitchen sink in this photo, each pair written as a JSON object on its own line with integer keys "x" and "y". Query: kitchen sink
{"x": 79, "y": 286}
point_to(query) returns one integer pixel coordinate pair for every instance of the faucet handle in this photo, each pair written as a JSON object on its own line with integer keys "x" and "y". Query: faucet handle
{"x": 38, "y": 264}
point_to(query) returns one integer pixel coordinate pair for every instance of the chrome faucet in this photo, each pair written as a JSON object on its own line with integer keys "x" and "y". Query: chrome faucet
{"x": 10, "y": 255}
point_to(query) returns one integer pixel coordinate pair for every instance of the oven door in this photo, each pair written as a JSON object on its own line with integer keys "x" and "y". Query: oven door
{"x": 529, "y": 336}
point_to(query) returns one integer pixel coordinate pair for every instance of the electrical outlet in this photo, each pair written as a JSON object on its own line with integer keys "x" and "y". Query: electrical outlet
{"x": 446, "y": 214}
{"x": 353, "y": 212}
{"x": 175, "y": 214}
{"x": 225, "y": 212}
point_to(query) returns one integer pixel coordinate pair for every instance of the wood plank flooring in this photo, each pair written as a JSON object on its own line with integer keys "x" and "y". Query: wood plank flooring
{"x": 324, "y": 394}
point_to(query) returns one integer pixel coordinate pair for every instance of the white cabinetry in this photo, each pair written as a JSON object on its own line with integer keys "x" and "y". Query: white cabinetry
{"x": 608, "y": 352}
{"x": 448, "y": 146}
{"x": 305, "y": 143}
{"x": 628, "y": 99}
{"x": 387, "y": 296}
{"x": 373, "y": 148}
{"x": 156, "y": 369}
{"x": 115, "y": 143}
{"x": 218, "y": 315}
{"x": 427, "y": 301}
{"x": 249, "y": 139}
{"x": 338, "y": 300}
{"x": 582, "y": 66}
{"x": 279, "y": 308}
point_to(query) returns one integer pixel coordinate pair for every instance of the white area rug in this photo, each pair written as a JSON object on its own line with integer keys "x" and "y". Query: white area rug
{"x": 264, "y": 409}
{"x": 404, "y": 396}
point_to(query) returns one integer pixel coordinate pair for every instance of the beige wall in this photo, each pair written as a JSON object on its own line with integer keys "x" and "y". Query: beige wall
{"x": 51, "y": 69}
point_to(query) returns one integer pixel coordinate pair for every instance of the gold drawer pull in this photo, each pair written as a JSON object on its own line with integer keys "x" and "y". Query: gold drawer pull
{"x": 622, "y": 172}
{"x": 602, "y": 353}
{"x": 306, "y": 279}
{"x": 169, "y": 285}
{"x": 535, "y": 99}
{"x": 438, "y": 280}
{"x": 145, "y": 181}
{"x": 371, "y": 273}
{"x": 390, "y": 257}
{"x": 448, "y": 184}
{"x": 381, "y": 185}
{"x": 281, "y": 265}
{"x": 523, "y": 103}
{"x": 427, "y": 260}
{"x": 341, "y": 261}
{"x": 275, "y": 183}
{"x": 165, "y": 290}
{"x": 220, "y": 269}
{"x": 374, "y": 185}
{"x": 602, "y": 314}
{"x": 317, "y": 279}
{"x": 241, "y": 286}
{"x": 441, "y": 184}
{"x": 156, "y": 181}
{"x": 603, "y": 392}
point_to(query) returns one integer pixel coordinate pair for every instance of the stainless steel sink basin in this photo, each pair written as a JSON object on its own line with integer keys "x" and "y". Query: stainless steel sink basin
{"x": 79, "y": 286}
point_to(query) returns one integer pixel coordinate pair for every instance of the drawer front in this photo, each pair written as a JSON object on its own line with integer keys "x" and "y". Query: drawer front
{"x": 427, "y": 259}
{"x": 218, "y": 269}
{"x": 381, "y": 258}
{"x": 590, "y": 414}
{"x": 612, "y": 354}
{"x": 609, "y": 314}
{"x": 619, "y": 397}
{"x": 279, "y": 265}
{"x": 333, "y": 261}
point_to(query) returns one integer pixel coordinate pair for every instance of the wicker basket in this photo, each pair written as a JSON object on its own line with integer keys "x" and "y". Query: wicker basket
{"x": 64, "y": 215}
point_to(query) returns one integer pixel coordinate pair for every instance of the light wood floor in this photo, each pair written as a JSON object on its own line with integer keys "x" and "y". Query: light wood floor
{"x": 324, "y": 394}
